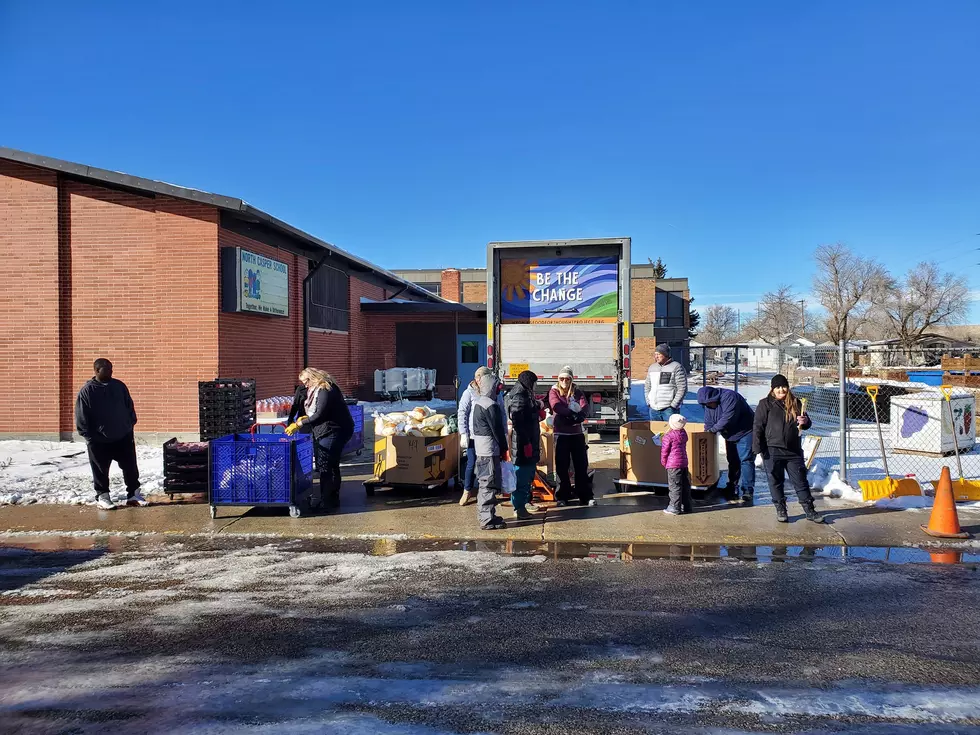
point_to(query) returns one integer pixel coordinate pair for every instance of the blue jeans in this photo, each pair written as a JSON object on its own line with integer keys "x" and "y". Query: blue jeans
{"x": 522, "y": 495}
{"x": 469, "y": 476}
{"x": 662, "y": 414}
{"x": 741, "y": 465}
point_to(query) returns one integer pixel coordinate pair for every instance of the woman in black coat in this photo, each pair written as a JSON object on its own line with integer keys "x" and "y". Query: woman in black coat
{"x": 524, "y": 411}
{"x": 779, "y": 419}
{"x": 329, "y": 420}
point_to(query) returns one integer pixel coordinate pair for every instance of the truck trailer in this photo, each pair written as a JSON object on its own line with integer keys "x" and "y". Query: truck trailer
{"x": 553, "y": 303}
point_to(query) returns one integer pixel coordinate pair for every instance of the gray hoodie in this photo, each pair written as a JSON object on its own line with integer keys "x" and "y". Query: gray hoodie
{"x": 487, "y": 420}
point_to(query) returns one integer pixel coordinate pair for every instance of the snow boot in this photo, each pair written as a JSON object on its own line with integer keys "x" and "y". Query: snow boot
{"x": 812, "y": 514}
{"x": 781, "y": 515}
{"x": 748, "y": 500}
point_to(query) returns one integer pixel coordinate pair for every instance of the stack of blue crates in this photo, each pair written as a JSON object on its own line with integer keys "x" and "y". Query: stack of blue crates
{"x": 260, "y": 469}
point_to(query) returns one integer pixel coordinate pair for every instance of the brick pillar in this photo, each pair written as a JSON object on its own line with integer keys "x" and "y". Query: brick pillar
{"x": 451, "y": 285}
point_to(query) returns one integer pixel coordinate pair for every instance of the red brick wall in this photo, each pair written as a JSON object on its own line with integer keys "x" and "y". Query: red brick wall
{"x": 142, "y": 293}
{"x": 475, "y": 293}
{"x": 451, "y": 280}
{"x": 29, "y": 318}
{"x": 642, "y": 356}
{"x": 643, "y": 300}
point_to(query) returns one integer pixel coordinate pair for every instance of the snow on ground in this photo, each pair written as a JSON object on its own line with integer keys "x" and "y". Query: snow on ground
{"x": 58, "y": 472}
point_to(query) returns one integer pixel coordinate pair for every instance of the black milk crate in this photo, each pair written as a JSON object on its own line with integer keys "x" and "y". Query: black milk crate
{"x": 185, "y": 468}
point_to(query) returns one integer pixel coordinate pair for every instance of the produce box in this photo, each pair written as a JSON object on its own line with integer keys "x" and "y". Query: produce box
{"x": 639, "y": 447}
{"x": 547, "y": 461}
{"x": 413, "y": 460}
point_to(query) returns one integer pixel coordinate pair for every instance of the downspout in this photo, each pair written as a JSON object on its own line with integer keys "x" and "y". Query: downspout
{"x": 306, "y": 308}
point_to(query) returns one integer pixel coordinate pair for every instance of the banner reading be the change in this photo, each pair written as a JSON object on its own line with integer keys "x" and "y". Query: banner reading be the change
{"x": 559, "y": 290}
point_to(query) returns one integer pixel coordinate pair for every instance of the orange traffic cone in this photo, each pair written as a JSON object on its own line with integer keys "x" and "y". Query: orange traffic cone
{"x": 944, "y": 522}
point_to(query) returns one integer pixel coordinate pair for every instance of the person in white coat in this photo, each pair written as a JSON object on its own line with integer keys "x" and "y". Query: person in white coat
{"x": 464, "y": 418}
{"x": 666, "y": 385}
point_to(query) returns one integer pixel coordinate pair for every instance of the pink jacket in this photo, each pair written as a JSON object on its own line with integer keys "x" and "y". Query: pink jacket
{"x": 673, "y": 450}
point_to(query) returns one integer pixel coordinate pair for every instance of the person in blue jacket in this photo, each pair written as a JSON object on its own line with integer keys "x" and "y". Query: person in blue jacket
{"x": 727, "y": 414}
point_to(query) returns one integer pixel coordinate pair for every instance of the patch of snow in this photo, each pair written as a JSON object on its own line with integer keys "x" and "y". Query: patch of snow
{"x": 59, "y": 473}
{"x": 837, "y": 488}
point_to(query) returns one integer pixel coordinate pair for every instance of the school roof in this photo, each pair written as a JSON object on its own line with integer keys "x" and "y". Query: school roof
{"x": 293, "y": 239}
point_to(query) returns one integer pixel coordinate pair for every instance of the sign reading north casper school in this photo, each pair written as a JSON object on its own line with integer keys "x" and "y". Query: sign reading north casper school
{"x": 254, "y": 283}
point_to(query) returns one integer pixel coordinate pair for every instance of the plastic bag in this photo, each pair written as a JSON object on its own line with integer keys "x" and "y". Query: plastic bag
{"x": 508, "y": 477}
{"x": 437, "y": 421}
{"x": 421, "y": 413}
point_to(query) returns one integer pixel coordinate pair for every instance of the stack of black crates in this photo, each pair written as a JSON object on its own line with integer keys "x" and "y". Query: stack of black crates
{"x": 226, "y": 406}
{"x": 185, "y": 467}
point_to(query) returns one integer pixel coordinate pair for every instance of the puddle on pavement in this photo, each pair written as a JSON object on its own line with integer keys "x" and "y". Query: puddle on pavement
{"x": 599, "y": 551}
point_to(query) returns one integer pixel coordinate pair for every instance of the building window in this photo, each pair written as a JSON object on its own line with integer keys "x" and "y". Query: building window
{"x": 330, "y": 300}
{"x": 643, "y": 330}
{"x": 431, "y": 287}
{"x": 470, "y": 352}
{"x": 668, "y": 309}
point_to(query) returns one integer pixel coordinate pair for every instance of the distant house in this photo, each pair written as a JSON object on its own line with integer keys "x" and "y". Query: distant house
{"x": 792, "y": 349}
{"x": 928, "y": 350}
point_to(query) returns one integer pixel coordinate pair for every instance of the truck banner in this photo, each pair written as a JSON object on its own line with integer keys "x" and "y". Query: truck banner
{"x": 555, "y": 290}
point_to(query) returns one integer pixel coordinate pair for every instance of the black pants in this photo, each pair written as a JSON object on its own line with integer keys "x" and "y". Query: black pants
{"x": 572, "y": 449}
{"x": 679, "y": 490}
{"x": 777, "y": 467}
{"x": 329, "y": 449}
{"x": 122, "y": 452}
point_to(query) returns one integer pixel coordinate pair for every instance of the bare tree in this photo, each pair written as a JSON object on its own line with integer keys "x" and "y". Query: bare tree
{"x": 720, "y": 324}
{"x": 848, "y": 287}
{"x": 779, "y": 313}
{"x": 924, "y": 298}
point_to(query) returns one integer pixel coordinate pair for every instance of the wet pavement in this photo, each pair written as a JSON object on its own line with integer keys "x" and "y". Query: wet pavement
{"x": 181, "y": 634}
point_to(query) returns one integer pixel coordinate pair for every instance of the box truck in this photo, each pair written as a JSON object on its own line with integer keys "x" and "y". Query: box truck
{"x": 552, "y": 303}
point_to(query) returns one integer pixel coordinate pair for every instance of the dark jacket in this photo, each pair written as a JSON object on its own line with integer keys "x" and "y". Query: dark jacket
{"x": 772, "y": 430}
{"x": 299, "y": 404}
{"x": 567, "y": 421}
{"x": 104, "y": 412}
{"x": 732, "y": 418}
{"x": 488, "y": 422}
{"x": 522, "y": 408}
{"x": 330, "y": 415}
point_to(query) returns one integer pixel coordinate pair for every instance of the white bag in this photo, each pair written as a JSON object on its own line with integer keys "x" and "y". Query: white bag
{"x": 508, "y": 478}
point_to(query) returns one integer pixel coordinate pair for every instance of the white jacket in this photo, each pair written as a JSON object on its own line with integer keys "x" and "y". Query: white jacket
{"x": 666, "y": 386}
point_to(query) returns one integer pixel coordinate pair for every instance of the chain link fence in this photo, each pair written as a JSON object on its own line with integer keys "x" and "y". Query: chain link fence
{"x": 920, "y": 431}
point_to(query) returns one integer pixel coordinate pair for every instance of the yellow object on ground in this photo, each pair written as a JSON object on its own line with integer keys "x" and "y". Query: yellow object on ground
{"x": 889, "y": 487}
{"x": 963, "y": 489}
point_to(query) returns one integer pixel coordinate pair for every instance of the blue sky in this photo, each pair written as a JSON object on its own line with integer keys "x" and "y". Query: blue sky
{"x": 730, "y": 139}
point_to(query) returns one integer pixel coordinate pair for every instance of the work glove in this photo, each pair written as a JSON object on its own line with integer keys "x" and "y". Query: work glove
{"x": 542, "y": 414}
{"x": 528, "y": 451}
{"x": 292, "y": 429}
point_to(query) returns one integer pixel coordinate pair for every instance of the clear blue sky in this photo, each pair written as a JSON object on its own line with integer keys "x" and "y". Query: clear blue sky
{"x": 729, "y": 138}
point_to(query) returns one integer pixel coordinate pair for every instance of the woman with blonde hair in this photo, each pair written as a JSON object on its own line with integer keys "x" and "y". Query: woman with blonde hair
{"x": 328, "y": 419}
{"x": 779, "y": 419}
{"x": 569, "y": 405}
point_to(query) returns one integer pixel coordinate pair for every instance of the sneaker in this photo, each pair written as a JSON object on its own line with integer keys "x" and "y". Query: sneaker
{"x": 137, "y": 500}
{"x": 496, "y": 524}
{"x": 781, "y": 515}
{"x": 814, "y": 516}
{"x": 561, "y": 503}
{"x": 672, "y": 512}
{"x": 522, "y": 515}
{"x": 465, "y": 497}
{"x": 748, "y": 501}
{"x": 105, "y": 502}
{"x": 592, "y": 503}
{"x": 531, "y": 507}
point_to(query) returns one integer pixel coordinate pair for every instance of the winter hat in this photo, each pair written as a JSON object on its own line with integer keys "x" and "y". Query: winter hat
{"x": 779, "y": 381}
{"x": 677, "y": 421}
{"x": 566, "y": 372}
{"x": 480, "y": 372}
{"x": 527, "y": 379}
{"x": 664, "y": 349}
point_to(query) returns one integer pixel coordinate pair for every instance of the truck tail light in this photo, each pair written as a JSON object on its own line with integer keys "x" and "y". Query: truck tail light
{"x": 597, "y": 398}
{"x": 626, "y": 348}
{"x": 626, "y": 365}
{"x": 490, "y": 363}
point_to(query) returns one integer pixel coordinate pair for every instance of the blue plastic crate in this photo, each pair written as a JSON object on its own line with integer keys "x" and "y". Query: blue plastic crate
{"x": 260, "y": 469}
{"x": 357, "y": 441}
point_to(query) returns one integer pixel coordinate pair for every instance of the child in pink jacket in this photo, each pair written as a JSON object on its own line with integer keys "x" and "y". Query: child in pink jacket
{"x": 673, "y": 456}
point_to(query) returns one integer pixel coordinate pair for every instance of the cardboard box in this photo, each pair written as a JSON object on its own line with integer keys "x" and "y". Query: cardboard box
{"x": 547, "y": 462}
{"x": 412, "y": 460}
{"x": 640, "y": 453}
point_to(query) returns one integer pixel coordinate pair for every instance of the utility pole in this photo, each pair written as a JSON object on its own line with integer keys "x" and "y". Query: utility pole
{"x": 803, "y": 315}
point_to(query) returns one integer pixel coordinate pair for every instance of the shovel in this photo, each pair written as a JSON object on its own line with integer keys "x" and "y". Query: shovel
{"x": 889, "y": 487}
{"x": 962, "y": 489}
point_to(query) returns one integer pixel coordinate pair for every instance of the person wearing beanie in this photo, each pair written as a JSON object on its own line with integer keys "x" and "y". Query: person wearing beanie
{"x": 779, "y": 419}
{"x": 673, "y": 457}
{"x": 570, "y": 406}
{"x": 727, "y": 414}
{"x": 464, "y": 416}
{"x": 666, "y": 385}
{"x": 524, "y": 412}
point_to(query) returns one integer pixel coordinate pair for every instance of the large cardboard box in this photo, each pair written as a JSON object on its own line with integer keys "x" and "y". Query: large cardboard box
{"x": 547, "y": 462}
{"x": 639, "y": 448}
{"x": 412, "y": 460}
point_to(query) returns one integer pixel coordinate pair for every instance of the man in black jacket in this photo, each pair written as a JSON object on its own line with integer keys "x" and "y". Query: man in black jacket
{"x": 105, "y": 418}
{"x": 525, "y": 440}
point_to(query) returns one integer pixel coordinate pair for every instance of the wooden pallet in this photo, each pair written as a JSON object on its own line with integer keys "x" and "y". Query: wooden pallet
{"x": 967, "y": 362}
{"x": 963, "y": 381}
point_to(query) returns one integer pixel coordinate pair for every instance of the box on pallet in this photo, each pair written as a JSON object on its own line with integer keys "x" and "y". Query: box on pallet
{"x": 639, "y": 446}
{"x": 412, "y": 460}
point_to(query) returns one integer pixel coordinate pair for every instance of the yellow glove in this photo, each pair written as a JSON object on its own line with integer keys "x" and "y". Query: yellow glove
{"x": 292, "y": 429}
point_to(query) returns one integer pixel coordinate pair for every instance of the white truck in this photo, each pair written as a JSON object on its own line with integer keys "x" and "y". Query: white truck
{"x": 552, "y": 303}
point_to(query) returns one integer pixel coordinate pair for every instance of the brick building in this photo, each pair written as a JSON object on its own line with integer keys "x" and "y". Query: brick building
{"x": 660, "y": 309}
{"x": 102, "y": 264}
